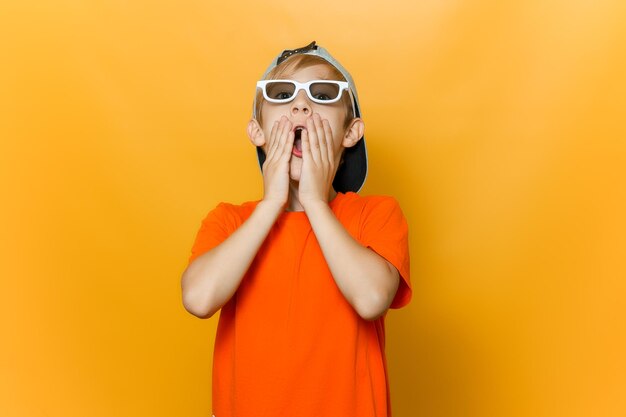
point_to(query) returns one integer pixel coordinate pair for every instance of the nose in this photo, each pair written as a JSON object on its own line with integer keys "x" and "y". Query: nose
{"x": 301, "y": 103}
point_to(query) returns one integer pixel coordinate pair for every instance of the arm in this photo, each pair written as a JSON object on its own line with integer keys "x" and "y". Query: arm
{"x": 368, "y": 281}
{"x": 212, "y": 279}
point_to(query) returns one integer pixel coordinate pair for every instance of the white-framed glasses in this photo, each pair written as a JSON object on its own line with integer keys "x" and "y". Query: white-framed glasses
{"x": 319, "y": 91}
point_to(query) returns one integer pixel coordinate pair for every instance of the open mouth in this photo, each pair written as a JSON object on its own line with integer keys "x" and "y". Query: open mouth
{"x": 297, "y": 141}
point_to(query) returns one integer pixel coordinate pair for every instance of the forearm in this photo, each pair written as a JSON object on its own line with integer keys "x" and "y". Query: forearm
{"x": 366, "y": 279}
{"x": 212, "y": 279}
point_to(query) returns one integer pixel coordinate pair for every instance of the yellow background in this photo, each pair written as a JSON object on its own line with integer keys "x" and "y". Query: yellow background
{"x": 499, "y": 126}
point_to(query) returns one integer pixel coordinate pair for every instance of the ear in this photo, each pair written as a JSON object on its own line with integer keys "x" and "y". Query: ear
{"x": 354, "y": 132}
{"x": 255, "y": 133}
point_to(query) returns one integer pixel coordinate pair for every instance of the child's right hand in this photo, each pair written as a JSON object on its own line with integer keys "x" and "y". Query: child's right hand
{"x": 276, "y": 165}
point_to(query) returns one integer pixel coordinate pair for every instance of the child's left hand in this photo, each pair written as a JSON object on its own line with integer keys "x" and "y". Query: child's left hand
{"x": 318, "y": 161}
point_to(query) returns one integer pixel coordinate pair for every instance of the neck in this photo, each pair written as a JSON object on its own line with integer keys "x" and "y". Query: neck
{"x": 293, "y": 202}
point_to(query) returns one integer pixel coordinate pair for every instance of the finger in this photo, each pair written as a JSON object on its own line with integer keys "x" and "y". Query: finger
{"x": 288, "y": 146}
{"x": 276, "y": 137}
{"x": 285, "y": 137}
{"x": 328, "y": 134}
{"x": 321, "y": 138}
{"x": 270, "y": 143}
{"x": 313, "y": 142}
{"x": 277, "y": 133}
{"x": 305, "y": 145}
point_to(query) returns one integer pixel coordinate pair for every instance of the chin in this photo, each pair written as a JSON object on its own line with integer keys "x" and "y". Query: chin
{"x": 295, "y": 169}
{"x": 294, "y": 176}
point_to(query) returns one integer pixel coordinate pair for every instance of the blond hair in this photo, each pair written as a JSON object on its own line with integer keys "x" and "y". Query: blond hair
{"x": 295, "y": 63}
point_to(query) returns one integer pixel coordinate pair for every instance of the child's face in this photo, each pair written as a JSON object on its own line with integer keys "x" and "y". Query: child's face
{"x": 300, "y": 109}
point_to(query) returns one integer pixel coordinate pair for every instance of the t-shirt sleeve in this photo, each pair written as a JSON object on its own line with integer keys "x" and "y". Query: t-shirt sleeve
{"x": 215, "y": 228}
{"x": 385, "y": 230}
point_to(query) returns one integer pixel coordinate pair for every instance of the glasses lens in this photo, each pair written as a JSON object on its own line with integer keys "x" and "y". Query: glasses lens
{"x": 324, "y": 91}
{"x": 280, "y": 90}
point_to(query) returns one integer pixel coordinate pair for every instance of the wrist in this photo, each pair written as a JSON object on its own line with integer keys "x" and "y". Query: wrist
{"x": 314, "y": 204}
{"x": 271, "y": 207}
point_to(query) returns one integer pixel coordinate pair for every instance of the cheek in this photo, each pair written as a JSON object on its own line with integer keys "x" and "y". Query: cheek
{"x": 337, "y": 121}
{"x": 267, "y": 120}
{"x": 268, "y": 117}
{"x": 337, "y": 129}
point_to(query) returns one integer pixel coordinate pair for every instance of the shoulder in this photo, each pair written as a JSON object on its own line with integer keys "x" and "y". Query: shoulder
{"x": 370, "y": 203}
{"x": 364, "y": 215}
{"x": 241, "y": 208}
{"x": 231, "y": 213}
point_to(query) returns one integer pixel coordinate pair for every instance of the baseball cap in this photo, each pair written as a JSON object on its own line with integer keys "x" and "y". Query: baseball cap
{"x": 350, "y": 175}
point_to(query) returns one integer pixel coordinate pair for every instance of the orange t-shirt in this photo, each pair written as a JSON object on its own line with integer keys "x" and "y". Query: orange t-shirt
{"x": 288, "y": 343}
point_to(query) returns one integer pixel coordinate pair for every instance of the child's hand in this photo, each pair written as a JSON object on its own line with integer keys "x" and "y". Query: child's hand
{"x": 276, "y": 165}
{"x": 318, "y": 161}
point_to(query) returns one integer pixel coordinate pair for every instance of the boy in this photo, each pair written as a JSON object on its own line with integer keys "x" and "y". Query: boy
{"x": 303, "y": 277}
